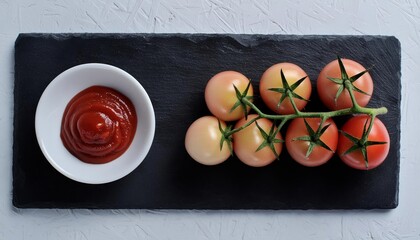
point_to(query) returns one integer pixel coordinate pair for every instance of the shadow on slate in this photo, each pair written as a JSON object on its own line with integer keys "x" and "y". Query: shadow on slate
{"x": 174, "y": 69}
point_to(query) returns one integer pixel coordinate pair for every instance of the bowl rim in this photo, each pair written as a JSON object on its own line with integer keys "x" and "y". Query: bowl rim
{"x": 146, "y": 104}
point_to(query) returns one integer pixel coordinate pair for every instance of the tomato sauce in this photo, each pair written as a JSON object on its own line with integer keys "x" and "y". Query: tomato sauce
{"x": 98, "y": 125}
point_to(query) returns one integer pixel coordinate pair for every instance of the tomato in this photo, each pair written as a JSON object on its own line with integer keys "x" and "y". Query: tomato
{"x": 202, "y": 141}
{"x": 376, "y": 153}
{"x": 327, "y": 89}
{"x": 272, "y": 79}
{"x": 220, "y": 95}
{"x": 248, "y": 140}
{"x": 297, "y": 142}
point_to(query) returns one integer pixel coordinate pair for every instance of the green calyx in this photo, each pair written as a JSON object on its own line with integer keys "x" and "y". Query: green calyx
{"x": 345, "y": 78}
{"x": 269, "y": 139}
{"x": 361, "y": 144}
{"x": 226, "y": 137}
{"x": 240, "y": 99}
{"x": 314, "y": 137}
{"x": 288, "y": 90}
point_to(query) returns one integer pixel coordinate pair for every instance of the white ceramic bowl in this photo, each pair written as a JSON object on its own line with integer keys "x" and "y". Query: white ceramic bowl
{"x": 51, "y": 107}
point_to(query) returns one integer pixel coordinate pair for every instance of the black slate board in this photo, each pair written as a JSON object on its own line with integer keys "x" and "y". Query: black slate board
{"x": 174, "y": 70}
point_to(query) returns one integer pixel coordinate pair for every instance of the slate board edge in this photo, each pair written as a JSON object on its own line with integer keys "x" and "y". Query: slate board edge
{"x": 240, "y": 38}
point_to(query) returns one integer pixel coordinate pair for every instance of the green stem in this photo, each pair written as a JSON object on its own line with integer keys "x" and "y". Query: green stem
{"x": 365, "y": 136}
{"x": 292, "y": 101}
{"x": 336, "y": 113}
{"x": 356, "y": 109}
{"x": 243, "y": 126}
{"x": 349, "y": 86}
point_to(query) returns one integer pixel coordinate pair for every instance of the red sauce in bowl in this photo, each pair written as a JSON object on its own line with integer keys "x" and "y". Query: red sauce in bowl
{"x": 98, "y": 125}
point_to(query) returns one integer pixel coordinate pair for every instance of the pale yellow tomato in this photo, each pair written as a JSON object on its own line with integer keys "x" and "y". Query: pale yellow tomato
{"x": 247, "y": 141}
{"x": 202, "y": 141}
{"x": 272, "y": 79}
{"x": 220, "y": 95}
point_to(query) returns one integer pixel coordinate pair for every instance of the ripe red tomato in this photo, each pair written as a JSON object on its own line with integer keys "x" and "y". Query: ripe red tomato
{"x": 220, "y": 95}
{"x": 202, "y": 141}
{"x": 376, "y": 153}
{"x": 298, "y": 141}
{"x": 247, "y": 141}
{"x": 327, "y": 89}
{"x": 271, "y": 79}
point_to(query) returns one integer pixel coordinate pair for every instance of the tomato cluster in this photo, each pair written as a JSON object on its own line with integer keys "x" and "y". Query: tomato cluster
{"x": 311, "y": 139}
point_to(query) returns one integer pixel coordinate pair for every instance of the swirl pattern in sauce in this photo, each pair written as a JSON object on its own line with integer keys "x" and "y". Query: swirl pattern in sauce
{"x": 98, "y": 125}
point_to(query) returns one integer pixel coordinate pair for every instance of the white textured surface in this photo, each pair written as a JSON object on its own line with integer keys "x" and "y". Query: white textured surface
{"x": 399, "y": 18}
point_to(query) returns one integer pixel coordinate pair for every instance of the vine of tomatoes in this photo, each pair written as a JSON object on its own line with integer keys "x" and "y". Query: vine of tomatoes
{"x": 311, "y": 139}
